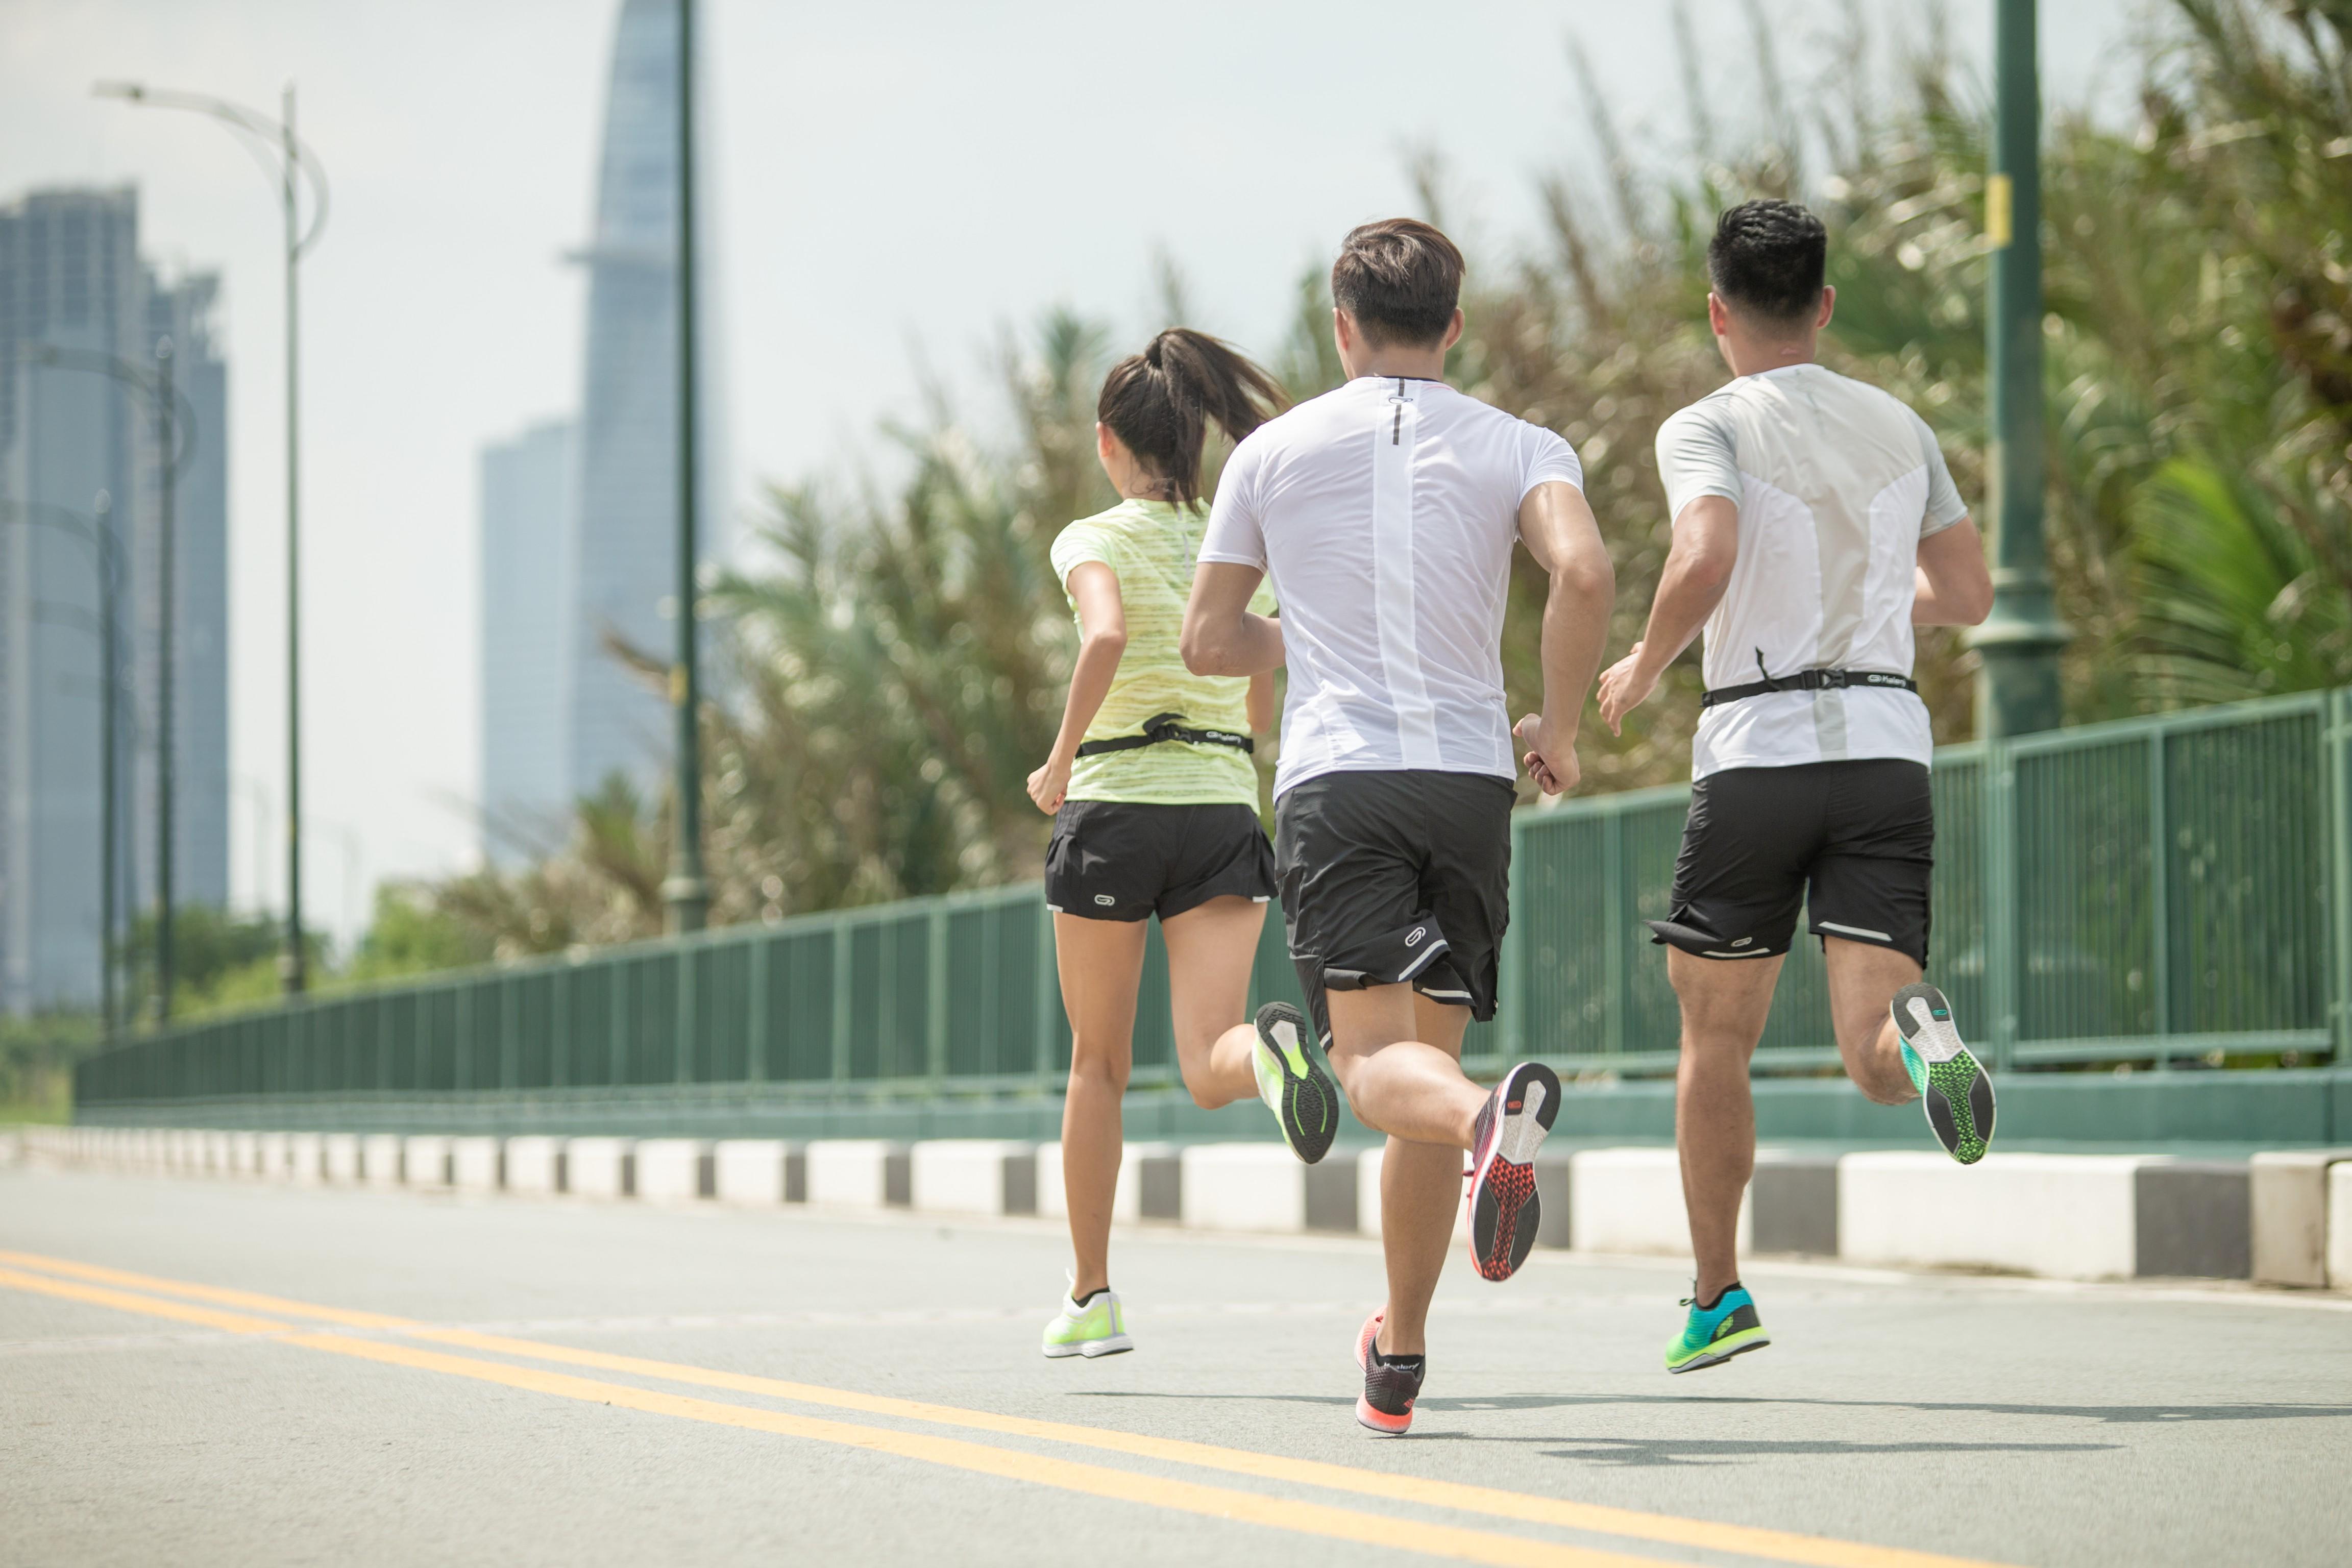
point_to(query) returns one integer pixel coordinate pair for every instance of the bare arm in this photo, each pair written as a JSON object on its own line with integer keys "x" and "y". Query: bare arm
{"x": 1698, "y": 569}
{"x": 1261, "y": 702}
{"x": 1558, "y": 526}
{"x": 1102, "y": 638}
{"x": 1954, "y": 589}
{"x": 1220, "y": 637}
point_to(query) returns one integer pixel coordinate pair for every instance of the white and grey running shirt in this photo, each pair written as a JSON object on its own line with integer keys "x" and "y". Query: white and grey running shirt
{"x": 1836, "y": 482}
{"x": 1385, "y": 512}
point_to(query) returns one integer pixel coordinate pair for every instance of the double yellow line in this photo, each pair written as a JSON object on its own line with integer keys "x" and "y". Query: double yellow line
{"x": 178, "y": 1301}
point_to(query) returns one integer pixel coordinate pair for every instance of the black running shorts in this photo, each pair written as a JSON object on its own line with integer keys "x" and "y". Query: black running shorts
{"x": 1119, "y": 860}
{"x": 1394, "y": 879}
{"x": 1854, "y": 841}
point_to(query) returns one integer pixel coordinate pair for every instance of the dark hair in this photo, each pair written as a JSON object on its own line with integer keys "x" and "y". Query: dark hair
{"x": 1159, "y": 403}
{"x": 1400, "y": 279}
{"x": 1768, "y": 258}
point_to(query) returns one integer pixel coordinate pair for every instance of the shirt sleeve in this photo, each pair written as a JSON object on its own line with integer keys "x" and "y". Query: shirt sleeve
{"x": 1549, "y": 458}
{"x": 1697, "y": 456}
{"x": 1235, "y": 534}
{"x": 1945, "y": 505}
{"x": 1078, "y": 544}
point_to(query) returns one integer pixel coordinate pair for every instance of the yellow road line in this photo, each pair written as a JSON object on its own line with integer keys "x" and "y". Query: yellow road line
{"x": 1670, "y": 1529}
{"x": 1009, "y": 1464}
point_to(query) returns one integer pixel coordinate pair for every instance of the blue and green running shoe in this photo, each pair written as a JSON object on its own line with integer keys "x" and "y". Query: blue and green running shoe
{"x": 1713, "y": 1335}
{"x": 1294, "y": 1081}
{"x": 1951, "y": 1082}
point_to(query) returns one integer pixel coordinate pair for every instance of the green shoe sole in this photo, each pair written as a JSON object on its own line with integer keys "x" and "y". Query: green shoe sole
{"x": 1295, "y": 1081}
{"x": 1955, "y": 1092}
{"x": 1720, "y": 1350}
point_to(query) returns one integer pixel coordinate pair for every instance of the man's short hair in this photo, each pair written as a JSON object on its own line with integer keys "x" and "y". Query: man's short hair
{"x": 1400, "y": 279}
{"x": 1768, "y": 258}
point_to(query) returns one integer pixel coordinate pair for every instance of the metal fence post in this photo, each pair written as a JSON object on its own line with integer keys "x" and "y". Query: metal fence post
{"x": 1511, "y": 1016}
{"x": 935, "y": 1016}
{"x": 558, "y": 1026}
{"x": 759, "y": 952}
{"x": 2159, "y": 895}
{"x": 2337, "y": 776}
{"x": 1621, "y": 908}
{"x": 2001, "y": 936}
{"x": 841, "y": 1001}
{"x": 685, "y": 1019}
{"x": 1047, "y": 994}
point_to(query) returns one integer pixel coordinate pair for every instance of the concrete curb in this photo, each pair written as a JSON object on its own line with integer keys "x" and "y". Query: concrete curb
{"x": 2282, "y": 1217}
{"x": 759, "y": 1171}
{"x": 672, "y": 1169}
{"x": 535, "y": 1164}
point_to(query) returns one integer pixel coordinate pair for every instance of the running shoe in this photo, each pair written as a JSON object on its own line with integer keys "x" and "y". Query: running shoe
{"x": 1713, "y": 1335}
{"x": 1952, "y": 1084}
{"x": 1096, "y": 1327}
{"x": 1389, "y": 1386}
{"x": 1294, "y": 1081}
{"x": 1504, "y": 1209}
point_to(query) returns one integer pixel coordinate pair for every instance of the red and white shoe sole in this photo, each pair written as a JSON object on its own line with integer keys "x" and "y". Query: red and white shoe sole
{"x": 1505, "y": 1212}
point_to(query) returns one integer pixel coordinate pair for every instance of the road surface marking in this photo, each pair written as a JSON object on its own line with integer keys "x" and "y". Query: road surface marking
{"x": 1748, "y": 1540}
{"x": 1275, "y": 1512}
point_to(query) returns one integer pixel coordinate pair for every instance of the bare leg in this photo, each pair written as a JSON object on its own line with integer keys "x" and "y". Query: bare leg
{"x": 1725, "y": 1003}
{"x": 1421, "y": 1189}
{"x": 1864, "y": 979}
{"x": 1211, "y": 950}
{"x": 1398, "y": 1083}
{"x": 1101, "y": 963}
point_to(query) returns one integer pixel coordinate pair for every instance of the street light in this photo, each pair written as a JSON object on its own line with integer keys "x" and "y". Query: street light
{"x": 106, "y": 561}
{"x": 293, "y": 163}
{"x": 2017, "y": 685}
{"x": 175, "y": 441}
{"x": 686, "y": 890}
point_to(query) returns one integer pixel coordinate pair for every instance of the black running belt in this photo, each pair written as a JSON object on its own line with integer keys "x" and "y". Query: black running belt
{"x": 1162, "y": 727}
{"x": 1807, "y": 681}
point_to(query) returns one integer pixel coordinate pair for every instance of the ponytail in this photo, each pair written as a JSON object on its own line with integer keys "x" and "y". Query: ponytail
{"x": 1158, "y": 404}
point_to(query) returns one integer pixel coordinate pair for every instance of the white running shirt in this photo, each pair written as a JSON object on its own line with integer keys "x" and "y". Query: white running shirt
{"x": 1836, "y": 482}
{"x": 1384, "y": 512}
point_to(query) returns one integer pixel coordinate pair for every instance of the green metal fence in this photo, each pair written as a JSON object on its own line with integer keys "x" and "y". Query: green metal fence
{"x": 2152, "y": 891}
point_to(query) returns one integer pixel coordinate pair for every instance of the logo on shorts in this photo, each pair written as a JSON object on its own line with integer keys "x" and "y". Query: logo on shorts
{"x": 1418, "y": 932}
{"x": 1743, "y": 942}
{"x": 1105, "y": 900}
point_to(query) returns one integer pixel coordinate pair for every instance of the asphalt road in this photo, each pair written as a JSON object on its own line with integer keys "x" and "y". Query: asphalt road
{"x": 507, "y": 1381}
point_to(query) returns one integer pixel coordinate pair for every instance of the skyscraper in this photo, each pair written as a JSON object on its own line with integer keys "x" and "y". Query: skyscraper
{"x": 629, "y": 420}
{"x": 71, "y": 279}
{"x": 528, "y": 514}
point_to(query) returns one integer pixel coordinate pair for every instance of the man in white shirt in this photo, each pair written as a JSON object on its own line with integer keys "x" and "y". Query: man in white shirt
{"x": 1386, "y": 512}
{"x": 1814, "y": 526}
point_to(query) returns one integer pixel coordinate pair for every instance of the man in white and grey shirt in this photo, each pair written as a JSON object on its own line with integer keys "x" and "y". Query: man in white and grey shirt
{"x": 1386, "y": 513}
{"x": 1814, "y": 526}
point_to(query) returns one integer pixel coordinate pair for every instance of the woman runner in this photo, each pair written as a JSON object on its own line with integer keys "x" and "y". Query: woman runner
{"x": 1155, "y": 804}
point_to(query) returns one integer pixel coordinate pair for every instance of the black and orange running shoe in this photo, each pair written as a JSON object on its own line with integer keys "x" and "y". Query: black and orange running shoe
{"x": 1390, "y": 1384}
{"x": 1504, "y": 1209}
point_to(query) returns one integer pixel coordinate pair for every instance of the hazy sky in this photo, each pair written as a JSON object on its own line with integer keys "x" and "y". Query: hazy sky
{"x": 895, "y": 182}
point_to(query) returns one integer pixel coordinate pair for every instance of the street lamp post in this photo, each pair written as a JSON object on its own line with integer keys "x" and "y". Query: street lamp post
{"x": 2017, "y": 687}
{"x": 166, "y": 657}
{"x": 294, "y": 164}
{"x": 686, "y": 890}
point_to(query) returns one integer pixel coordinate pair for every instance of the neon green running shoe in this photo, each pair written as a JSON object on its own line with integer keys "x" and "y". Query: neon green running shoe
{"x": 1952, "y": 1085}
{"x": 1294, "y": 1081}
{"x": 1713, "y": 1335}
{"x": 1095, "y": 1327}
